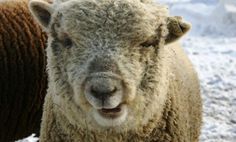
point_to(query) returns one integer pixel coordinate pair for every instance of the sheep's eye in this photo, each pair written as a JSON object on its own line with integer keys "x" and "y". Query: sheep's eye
{"x": 146, "y": 44}
{"x": 67, "y": 42}
{"x": 149, "y": 43}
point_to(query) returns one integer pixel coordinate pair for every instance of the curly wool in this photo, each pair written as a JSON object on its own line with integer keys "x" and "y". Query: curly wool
{"x": 166, "y": 105}
{"x": 23, "y": 79}
{"x": 180, "y": 121}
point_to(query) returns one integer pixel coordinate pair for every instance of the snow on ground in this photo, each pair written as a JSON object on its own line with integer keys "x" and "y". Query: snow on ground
{"x": 215, "y": 61}
{"x": 31, "y": 138}
{"x": 211, "y": 45}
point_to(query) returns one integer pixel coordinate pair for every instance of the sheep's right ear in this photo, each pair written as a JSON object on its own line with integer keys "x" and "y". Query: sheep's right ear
{"x": 42, "y": 12}
{"x": 177, "y": 28}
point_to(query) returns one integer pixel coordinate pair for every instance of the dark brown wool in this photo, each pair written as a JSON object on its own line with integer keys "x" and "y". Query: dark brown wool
{"x": 23, "y": 80}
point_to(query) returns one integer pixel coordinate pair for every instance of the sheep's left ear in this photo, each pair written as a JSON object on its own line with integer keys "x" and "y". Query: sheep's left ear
{"x": 177, "y": 28}
{"x": 42, "y": 12}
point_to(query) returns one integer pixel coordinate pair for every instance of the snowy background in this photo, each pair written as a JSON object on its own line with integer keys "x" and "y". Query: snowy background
{"x": 211, "y": 45}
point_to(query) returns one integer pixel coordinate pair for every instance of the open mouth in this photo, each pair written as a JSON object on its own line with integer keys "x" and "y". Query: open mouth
{"x": 111, "y": 113}
{"x": 110, "y": 117}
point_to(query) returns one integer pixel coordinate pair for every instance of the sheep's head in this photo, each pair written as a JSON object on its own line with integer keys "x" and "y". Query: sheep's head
{"x": 103, "y": 57}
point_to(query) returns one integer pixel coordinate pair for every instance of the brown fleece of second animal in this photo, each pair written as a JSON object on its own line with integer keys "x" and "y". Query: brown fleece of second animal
{"x": 23, "y": 80}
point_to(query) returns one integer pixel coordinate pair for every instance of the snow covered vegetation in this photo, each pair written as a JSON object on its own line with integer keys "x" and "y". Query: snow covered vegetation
{"x": 211, "y": 45}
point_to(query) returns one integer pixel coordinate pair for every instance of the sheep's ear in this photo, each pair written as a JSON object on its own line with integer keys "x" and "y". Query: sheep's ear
{"x": 42, "y": 12}
{"x": 177, "y": 28}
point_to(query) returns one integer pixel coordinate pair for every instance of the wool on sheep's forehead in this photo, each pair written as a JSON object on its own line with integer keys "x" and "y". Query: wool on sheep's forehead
{"x": 117, "y": 20}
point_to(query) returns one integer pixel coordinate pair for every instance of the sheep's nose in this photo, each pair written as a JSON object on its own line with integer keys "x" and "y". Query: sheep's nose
{"x": 102, "y": 87}
{"x": 102, "y": 92}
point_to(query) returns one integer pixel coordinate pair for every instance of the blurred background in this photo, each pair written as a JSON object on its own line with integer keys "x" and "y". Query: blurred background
{"x": 211, "y": 45}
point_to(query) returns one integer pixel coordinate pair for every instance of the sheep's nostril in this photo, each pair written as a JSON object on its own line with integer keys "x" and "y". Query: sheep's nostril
{"x": 102, "y": 93}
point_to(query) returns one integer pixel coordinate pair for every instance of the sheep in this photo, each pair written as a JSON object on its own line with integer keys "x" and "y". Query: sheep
{"x": 23, "y": 79}
{"x": 116, "y": 73}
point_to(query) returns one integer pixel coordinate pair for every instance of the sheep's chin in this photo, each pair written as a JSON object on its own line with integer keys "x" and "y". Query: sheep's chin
{"x": 106, "y": 121}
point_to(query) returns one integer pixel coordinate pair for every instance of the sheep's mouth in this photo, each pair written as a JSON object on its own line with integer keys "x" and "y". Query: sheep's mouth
{"x": 111, "y": 113}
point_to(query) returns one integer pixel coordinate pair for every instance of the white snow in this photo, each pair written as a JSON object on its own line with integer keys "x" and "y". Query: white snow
{"x": 231, "y": 8}
{"x": 31, "y": 138}
{"x": 215, "y": 61}
{"x": 211, "y": 45}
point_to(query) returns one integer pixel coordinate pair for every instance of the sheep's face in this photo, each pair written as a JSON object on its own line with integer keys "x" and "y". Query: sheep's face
{"x": 102, "y": 56}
